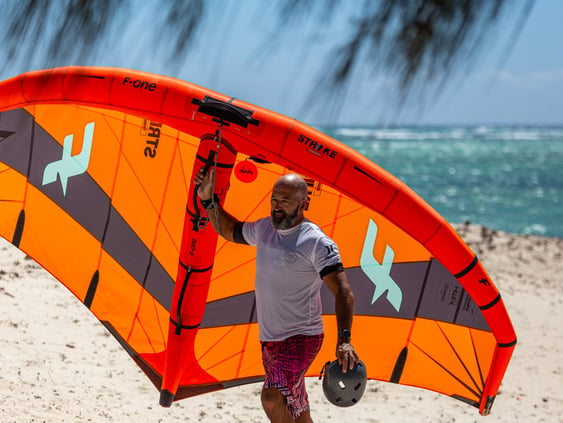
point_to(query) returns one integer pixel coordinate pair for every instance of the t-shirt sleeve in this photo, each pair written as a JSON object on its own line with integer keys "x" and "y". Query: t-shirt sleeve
{"x": 249, "y": 232}
{"x": 326, "y": 257}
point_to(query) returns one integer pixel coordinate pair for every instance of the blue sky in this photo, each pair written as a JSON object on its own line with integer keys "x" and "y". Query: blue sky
{"x": 525, "y": 88}
{"x": 235, "y": 54}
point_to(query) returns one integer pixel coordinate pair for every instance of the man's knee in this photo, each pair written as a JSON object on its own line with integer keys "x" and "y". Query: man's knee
{"x": 272, "y": 399}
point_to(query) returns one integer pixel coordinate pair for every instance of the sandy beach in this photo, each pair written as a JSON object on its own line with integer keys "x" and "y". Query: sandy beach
{"x": 59, "y": 364}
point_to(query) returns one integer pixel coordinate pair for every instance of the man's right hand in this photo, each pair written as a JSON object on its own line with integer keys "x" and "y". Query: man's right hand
{"x": 222, "y": 221}
{"x": 205, "y": 182}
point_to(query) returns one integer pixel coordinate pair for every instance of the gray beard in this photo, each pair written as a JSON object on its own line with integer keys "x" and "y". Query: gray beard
{"x": 286, "y": 221}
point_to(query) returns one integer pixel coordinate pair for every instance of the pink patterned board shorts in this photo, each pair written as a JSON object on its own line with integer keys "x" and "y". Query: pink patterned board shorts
{"x": 285, "y": 363}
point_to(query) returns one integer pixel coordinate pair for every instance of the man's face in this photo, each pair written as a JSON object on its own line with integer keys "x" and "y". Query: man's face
{"x": 285, "y": 206}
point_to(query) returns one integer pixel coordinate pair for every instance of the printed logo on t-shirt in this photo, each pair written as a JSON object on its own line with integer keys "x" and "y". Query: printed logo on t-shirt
{"x": 331, "y": 251}
{"x": 290, "y": 257}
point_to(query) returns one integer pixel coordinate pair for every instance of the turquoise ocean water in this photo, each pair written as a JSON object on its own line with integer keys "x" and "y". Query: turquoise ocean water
{"x": 504, "y": 177}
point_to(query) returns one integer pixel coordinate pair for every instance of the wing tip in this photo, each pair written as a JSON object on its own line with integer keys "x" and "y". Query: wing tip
{"x": 486, "y": 409}
{"x": 166, "y": 398}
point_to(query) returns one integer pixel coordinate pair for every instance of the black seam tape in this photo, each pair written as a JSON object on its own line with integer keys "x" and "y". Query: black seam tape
{"x": 184, "y": 326}
{"x": 508, "y": 344}
{"x": 221, "y": 165}
{"x": 491, "y": 304}
{"x": 192, "y": 270}
{"x": 468, "y": 268}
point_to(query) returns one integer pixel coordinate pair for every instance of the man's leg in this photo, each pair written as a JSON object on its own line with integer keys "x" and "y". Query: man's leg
{"x": 286, "y": 363}
{"x": 275, "y": 406}
{"x": 304, "y": 417}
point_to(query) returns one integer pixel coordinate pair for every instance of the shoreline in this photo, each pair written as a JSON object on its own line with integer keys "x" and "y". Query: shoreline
{"x": 61, "y": 365}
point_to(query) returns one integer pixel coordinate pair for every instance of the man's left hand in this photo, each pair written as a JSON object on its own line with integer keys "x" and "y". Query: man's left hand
{"x": 347, "y": 356}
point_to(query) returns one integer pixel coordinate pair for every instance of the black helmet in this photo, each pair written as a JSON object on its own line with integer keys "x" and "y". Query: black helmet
{"x": 344, "y": 389}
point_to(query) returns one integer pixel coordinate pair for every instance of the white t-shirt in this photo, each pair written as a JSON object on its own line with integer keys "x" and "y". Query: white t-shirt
{"x": 288, "y": 281}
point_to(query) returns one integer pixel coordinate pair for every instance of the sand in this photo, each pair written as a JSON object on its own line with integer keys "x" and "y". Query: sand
{"x": 59, "y": 364}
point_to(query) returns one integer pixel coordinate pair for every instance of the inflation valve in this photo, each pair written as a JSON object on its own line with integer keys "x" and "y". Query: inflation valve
{"x": 225, "y": 112}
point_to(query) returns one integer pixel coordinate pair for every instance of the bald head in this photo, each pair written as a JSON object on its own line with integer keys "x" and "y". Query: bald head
{"x": 293, "y": 182}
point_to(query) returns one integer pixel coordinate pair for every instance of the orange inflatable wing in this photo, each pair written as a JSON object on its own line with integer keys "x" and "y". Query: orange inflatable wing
{"x": 96, "y": 171}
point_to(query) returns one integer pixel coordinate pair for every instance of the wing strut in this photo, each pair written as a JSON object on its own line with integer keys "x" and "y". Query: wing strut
{"x": 197, "y": 253}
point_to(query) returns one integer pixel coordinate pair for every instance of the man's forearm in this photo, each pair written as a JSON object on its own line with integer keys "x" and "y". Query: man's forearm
{"x": 344, "y": 308}
{"x": 222, "y": 221}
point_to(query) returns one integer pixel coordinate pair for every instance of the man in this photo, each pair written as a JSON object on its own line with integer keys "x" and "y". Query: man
{"x": 293, "y": 258}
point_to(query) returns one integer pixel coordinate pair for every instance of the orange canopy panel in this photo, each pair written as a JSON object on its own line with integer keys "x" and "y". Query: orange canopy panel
{"x": 96, "y": 184}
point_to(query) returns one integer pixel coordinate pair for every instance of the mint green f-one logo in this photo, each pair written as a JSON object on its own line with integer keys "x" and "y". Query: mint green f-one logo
{"x": 69, "y": 165}
{"x": 379, "y": 273}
